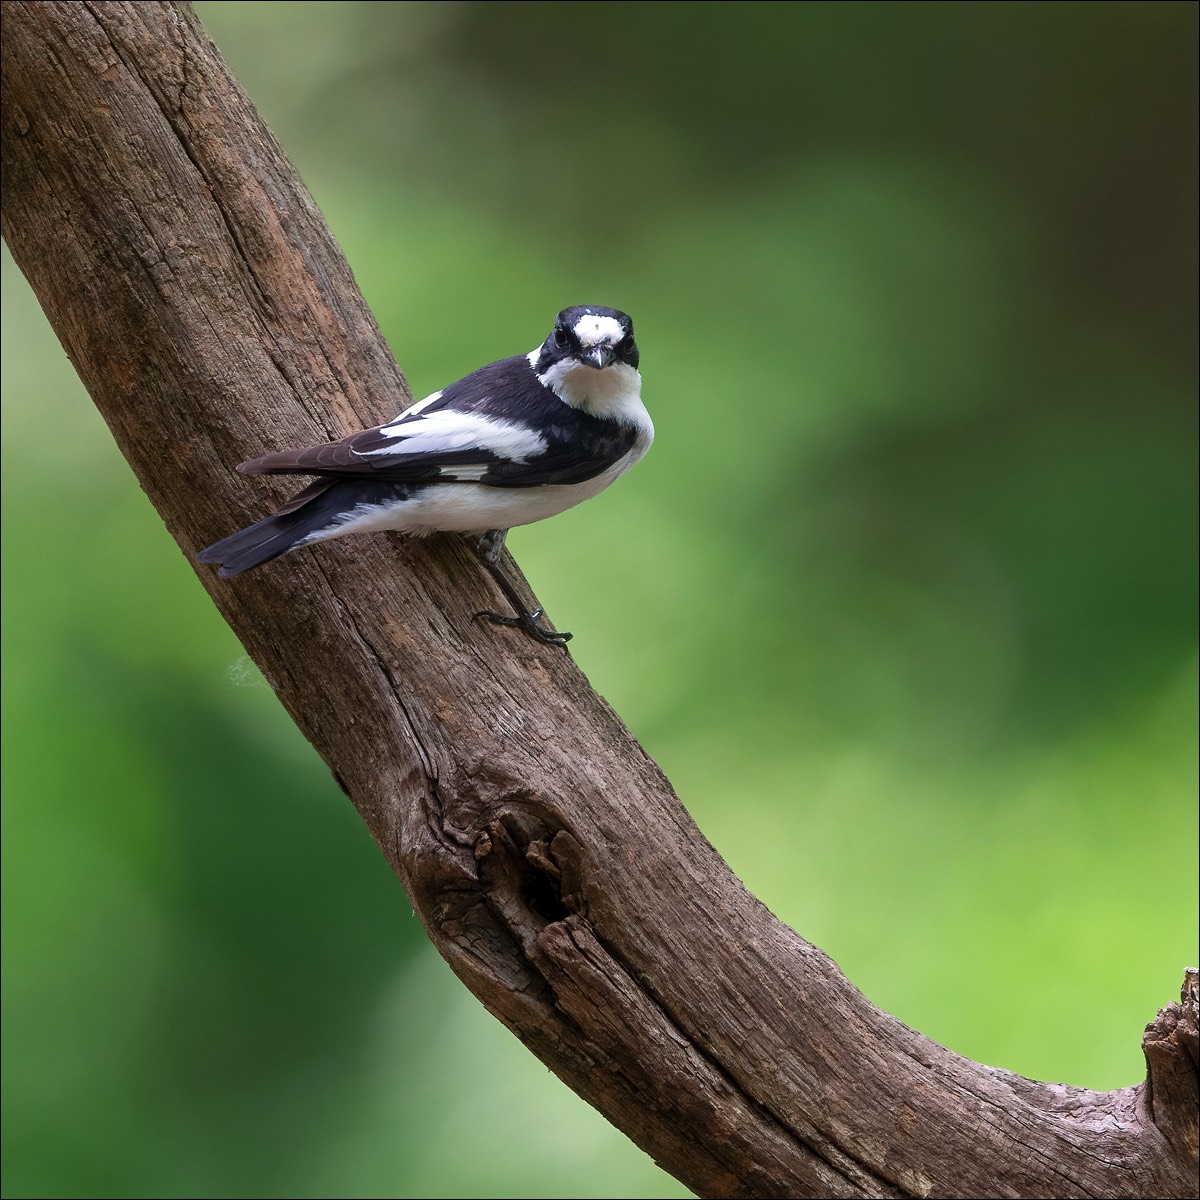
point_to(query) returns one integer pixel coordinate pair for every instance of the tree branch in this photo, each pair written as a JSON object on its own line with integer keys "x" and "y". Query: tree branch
{"x": 211, "y": 316}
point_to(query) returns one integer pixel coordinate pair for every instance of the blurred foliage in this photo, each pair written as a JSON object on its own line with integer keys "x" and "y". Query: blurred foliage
{"x": 903, "y": 599}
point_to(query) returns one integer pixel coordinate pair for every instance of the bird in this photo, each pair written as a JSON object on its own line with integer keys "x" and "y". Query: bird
{"x": 512, "y": 443}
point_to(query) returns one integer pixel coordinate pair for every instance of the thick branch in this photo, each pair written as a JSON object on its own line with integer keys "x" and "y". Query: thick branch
{"x": 211, "y": 316}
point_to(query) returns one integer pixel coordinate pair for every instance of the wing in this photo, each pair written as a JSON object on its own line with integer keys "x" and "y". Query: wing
{"x": 497, "y": 426}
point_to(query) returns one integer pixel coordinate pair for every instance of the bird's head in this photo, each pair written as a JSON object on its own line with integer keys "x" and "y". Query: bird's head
{"x": 591, "y": 336}
{"x": 590, "y": 361}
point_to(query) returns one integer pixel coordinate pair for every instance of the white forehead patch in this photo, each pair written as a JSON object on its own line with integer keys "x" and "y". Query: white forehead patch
{"x": 591, "y": 331}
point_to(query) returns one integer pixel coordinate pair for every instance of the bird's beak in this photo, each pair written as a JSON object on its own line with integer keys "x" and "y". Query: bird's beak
{"x": 598, "y": 356}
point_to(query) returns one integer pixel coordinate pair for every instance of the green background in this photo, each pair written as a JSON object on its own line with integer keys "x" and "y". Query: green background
{"x": 902, "y": 599}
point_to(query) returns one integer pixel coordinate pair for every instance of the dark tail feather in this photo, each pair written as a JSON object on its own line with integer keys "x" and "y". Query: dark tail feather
{"x": 305, "y": 513}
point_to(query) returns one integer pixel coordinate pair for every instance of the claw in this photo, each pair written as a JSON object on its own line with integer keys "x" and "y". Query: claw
{"x": 528, "y": 623}
{"x": 490, "y": 547}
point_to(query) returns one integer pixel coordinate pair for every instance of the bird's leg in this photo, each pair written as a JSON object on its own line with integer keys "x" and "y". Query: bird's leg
{"x": 491, "y": 546}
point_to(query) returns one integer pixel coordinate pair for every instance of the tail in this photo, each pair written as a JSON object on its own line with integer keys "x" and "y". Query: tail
{"x": 316, "y": 508}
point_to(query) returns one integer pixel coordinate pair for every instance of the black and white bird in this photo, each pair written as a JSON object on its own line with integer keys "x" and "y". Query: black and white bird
{"x": 512, "y": 443}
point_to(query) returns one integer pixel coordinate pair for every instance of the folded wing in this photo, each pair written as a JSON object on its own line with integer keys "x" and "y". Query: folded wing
{"x": 497, "y": 426}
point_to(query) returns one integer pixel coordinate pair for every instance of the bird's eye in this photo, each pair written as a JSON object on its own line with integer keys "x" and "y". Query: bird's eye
{"x": 562, "y": 339}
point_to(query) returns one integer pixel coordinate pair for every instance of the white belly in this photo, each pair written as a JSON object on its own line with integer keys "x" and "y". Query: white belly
{"x": 473, "y": 507}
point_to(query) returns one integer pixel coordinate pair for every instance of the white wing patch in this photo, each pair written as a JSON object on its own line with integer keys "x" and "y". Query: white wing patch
{"x": 447, "y": 431}
{"x": 466, "y": 472}
{"x": 417, "y": 408}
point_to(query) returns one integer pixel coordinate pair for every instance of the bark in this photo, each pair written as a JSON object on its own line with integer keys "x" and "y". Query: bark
{"x": 212, "y": 318}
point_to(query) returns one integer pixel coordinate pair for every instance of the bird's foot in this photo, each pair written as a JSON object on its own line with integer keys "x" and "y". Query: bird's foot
{"x": 528, "y": 621}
